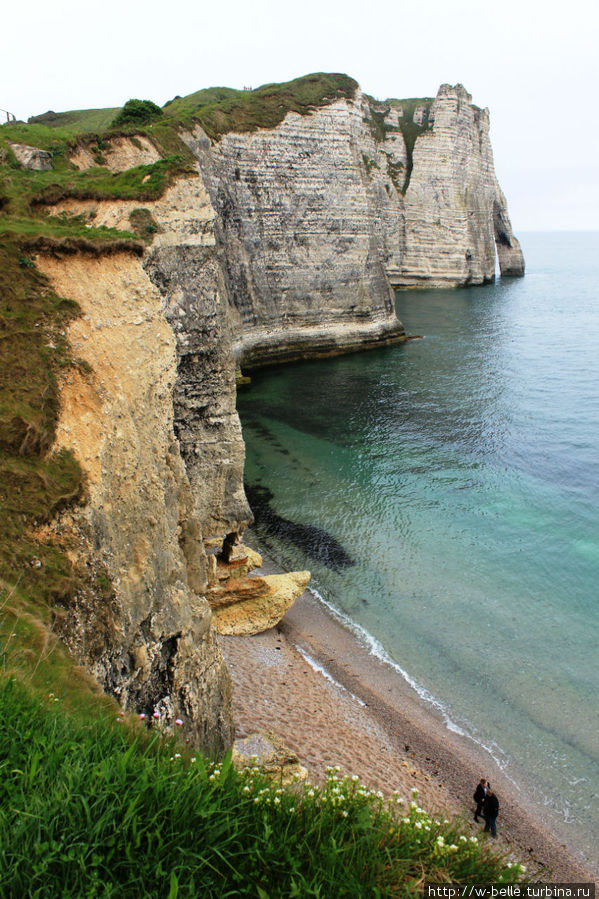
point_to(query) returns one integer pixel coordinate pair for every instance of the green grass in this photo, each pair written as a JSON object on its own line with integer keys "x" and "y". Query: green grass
{"x": 78, "y": 121}
{"x": 33, "y": 485}
{"x": 219, "y": 111}
{"x": 110, "y": 808}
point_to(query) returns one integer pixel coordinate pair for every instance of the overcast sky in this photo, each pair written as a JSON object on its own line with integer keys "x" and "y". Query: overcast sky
{"x": 534, "y": 64}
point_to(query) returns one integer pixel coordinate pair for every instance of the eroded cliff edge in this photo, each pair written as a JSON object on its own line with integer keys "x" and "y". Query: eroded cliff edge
{"x": 283, "y": 243}
{"x": 154, "y": 426}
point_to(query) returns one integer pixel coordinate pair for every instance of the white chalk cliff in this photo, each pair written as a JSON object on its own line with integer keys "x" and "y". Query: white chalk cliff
{"x": 285, "y": 243}
{"x": 315, "y": 227}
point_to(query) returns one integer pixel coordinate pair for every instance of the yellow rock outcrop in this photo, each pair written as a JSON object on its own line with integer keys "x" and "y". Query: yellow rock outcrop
{"x": 250, "y": 605}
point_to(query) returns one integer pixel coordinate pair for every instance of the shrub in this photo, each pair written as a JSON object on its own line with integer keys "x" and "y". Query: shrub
{"x": 138, "y": 112}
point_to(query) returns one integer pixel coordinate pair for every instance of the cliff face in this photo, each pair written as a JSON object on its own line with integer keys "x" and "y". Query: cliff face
{"x": 283, "y": 244}
{"x": 456, "y": 214}
{"x": 154, "y": 427}
{"x": 315, "y": 226}
{"x": 298, "y": 221}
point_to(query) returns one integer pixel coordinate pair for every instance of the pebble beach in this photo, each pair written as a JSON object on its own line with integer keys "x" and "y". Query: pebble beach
{"x": 311, "y": 681}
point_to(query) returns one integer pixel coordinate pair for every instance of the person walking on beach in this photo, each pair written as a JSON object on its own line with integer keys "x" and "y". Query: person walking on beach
{"x": 479, "y": 797}
{"x": 490, "y": 812}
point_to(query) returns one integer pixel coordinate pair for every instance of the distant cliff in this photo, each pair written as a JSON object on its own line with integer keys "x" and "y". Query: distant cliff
{"x": 319, "y": 216}
{"x": 275, "y": 232}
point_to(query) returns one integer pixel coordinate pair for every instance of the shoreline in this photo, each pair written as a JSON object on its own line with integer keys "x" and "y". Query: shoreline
{"x": 315, "y": 684}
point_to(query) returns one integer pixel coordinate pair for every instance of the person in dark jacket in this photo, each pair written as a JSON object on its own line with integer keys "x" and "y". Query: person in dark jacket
{"x": 490, "y": 812}
{"x": 479, "y": 797}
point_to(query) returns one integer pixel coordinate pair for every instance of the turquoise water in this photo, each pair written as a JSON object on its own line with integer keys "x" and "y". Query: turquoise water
{"x": 445, "y": 496}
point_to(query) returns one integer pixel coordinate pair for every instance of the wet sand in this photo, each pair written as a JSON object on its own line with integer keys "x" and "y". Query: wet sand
{"x": 334, "y": 703}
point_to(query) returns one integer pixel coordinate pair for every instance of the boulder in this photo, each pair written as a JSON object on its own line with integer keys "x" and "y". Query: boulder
{"x": 32, "y": 157}
{"x": 250, "y": 605}
{"x": 242, "y": 561}
{"x": 267, "y": 752}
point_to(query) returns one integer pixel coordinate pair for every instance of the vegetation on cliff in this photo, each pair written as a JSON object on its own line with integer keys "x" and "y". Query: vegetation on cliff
{"x": 110, "y": 808}
{"x": 39, "y": 574}
{"x": 265, "y": 107}
{"x": 92, "y": 805}
{"x": 217, "y": 109}
{"x": 410, "y": 129}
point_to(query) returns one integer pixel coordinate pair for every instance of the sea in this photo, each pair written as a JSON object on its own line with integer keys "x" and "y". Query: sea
{"x": 444, "y": 493}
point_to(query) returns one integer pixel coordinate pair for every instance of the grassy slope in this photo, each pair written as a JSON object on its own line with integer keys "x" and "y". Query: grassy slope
{"x": 78, "y": 120}
{"x": 71, "y": 784}
{"x": 218, "y": 109}
{"x": 106, "y": 808}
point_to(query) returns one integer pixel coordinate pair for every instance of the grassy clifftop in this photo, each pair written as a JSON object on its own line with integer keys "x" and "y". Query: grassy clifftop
{"x": 219, "y": 109}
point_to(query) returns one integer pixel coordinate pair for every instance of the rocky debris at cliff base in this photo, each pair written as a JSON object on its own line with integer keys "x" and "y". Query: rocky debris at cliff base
{"x": 242, "y": 560}
{"x": 267, "y": 752}
{"x": 250, "y": 605}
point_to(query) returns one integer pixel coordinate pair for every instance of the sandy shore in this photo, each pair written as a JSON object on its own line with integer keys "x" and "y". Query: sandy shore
{"x": 310, "y": 681}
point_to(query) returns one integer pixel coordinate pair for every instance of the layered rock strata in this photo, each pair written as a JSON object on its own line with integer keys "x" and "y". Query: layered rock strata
{"x": 298, "y": 218}
{"x": 250, "y": 605}
{"x": 455, "y": 213}
{"x": 154, "y": 427}
{"x": 320, "y": 215}
{"x": 284, "y": 244}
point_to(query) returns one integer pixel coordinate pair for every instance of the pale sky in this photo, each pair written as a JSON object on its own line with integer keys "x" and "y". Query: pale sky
{"x": 534, "y": 64}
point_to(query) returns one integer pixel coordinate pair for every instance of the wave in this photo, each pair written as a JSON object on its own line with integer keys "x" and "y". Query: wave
{"x": 376, "y": 649}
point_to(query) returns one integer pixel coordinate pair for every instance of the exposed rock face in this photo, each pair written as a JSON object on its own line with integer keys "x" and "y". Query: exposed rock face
{"x": 455, "y": 211}
{"x": 155, "y": 428}
{"x": 151, "y": 643}
{"x": 283, "y": 245}
{"x": 315, "y": 226}
{"x": 32, "y": 157}
{"x": 298, "y": 218}
{"x": 117, "y": 154}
